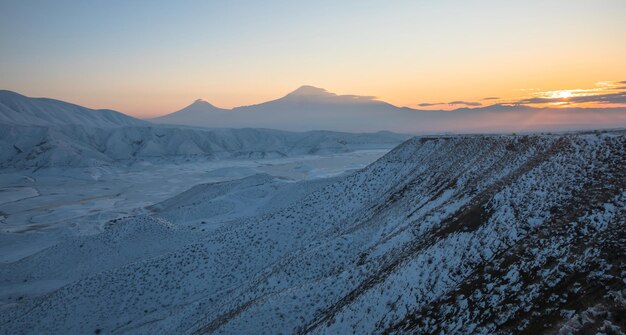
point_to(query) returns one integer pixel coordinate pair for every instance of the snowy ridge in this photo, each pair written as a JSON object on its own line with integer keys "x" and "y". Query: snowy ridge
{"x": 16, "y": 109}
{"x": 462, "y": 234}
{"x": 77, "y": 146}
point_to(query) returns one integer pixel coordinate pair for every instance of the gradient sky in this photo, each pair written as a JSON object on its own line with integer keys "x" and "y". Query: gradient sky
{"x": 147, "y": 58}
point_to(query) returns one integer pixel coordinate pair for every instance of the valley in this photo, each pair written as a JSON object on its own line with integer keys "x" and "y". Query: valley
{"x": 41, "y": 208}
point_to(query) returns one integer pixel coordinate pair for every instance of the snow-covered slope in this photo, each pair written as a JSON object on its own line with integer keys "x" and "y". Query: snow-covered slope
{"x": 77, "y": 146}
{"x": 463, "y": 235}
{"x": 16, "y": 109}
{"x": 227, "y": 201}
{"x": 312, "y": 108}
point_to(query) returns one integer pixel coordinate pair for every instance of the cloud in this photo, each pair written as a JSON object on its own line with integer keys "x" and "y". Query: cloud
{"x": 605, "y": 92}
{"x": 359, "y": 97}
{"x": 609, "y": 98}
{"x": 428, "y": 104}
{"x": 466, "y": 103}
{"x": 608, "y": 86}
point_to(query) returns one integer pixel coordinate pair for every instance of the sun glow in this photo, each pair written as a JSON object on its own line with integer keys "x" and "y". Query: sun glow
{"x": 560, "y": 94}
{"x": 565, "y": 94}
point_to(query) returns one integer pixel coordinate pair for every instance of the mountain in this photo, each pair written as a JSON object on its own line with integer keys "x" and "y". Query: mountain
{"x": 307, "y": 108}
{"x": 312, "y": 108}
{"x": 316, "y": 96}
{"x": 16, "y": 109}
{"x": 443, "y": 235}
{"x": 190, "y": 114}
{"x": 38, "y": 132}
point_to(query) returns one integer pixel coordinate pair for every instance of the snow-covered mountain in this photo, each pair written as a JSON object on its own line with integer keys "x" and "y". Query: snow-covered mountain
{"x": 16, "y": 109}
{"x": 312, "y": 108}
{"x": 455, "y": 235}
{"x": 78, "y": 146}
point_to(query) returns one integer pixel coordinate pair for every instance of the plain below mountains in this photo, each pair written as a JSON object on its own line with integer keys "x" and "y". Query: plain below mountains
{"x": 311, "y": 108}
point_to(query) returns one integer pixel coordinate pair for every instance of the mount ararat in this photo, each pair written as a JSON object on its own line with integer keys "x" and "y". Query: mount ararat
{"x": 312, "y": 108}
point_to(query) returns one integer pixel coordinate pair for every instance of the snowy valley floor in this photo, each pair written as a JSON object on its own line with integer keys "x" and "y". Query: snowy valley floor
{"x": 441, "y": 235}
{"x": 40, "y": 209}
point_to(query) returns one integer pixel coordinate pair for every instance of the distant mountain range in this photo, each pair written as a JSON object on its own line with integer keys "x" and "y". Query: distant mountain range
{"x": 309, "y": 108}
{"x": 38, "y": 133}
{"x": 312, "y": 108}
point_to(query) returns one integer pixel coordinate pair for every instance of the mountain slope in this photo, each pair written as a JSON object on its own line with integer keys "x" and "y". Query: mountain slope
{"x": 16, "y": 109}
{"x": 463, "y": 234}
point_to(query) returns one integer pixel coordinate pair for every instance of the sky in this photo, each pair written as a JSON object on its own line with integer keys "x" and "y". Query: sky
{"x": 148, "y": 58}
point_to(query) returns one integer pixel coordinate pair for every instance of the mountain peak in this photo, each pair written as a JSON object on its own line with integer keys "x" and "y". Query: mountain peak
{"x": 307, "y": 90}
{"x": 201, "y": 102}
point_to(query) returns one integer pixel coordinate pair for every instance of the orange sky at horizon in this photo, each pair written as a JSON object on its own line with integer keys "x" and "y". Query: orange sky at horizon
{"x": 148, "y": 59}
{"x": 163, "y": 105}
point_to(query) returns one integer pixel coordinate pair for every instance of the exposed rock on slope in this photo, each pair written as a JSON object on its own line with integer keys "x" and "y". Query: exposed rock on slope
{"x": 466, "y": 235}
